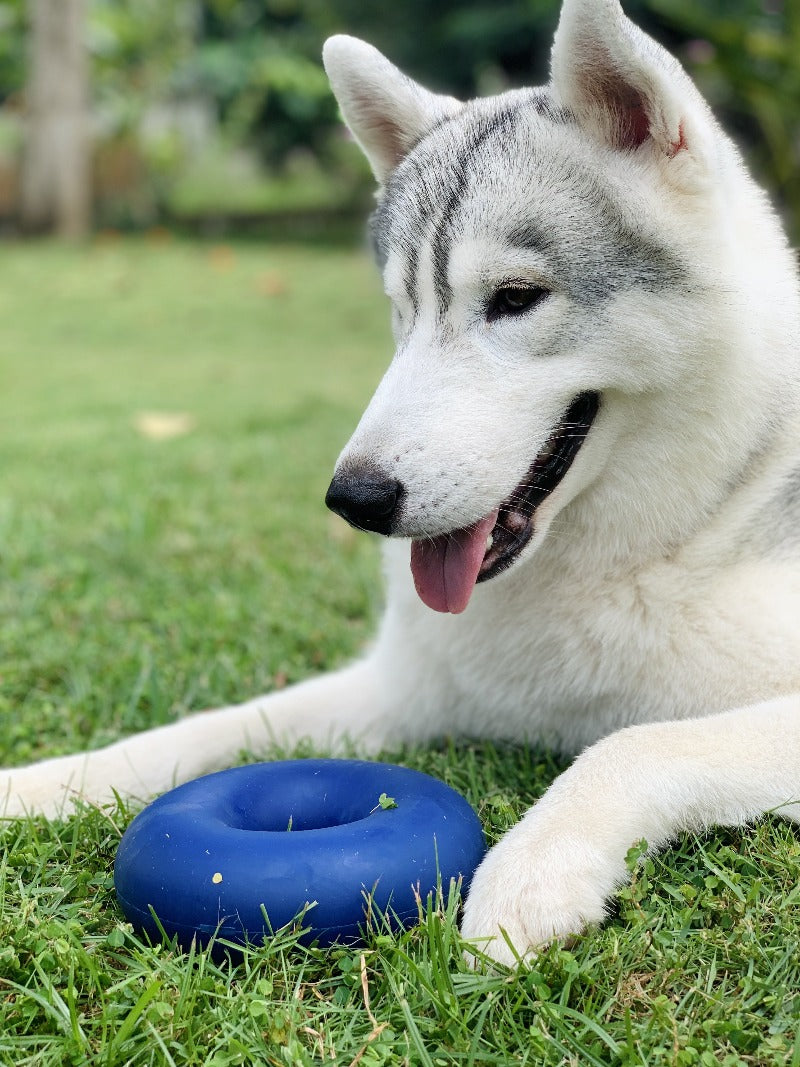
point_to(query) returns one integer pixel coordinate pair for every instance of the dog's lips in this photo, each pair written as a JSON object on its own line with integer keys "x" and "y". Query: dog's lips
{"x": 446, "y": 568}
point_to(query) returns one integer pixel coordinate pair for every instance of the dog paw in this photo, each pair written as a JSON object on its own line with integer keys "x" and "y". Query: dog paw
{"x": 530, "y": 891}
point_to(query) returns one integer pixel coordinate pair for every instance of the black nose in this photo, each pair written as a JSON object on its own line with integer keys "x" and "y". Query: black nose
{"x": 369, "y": 501}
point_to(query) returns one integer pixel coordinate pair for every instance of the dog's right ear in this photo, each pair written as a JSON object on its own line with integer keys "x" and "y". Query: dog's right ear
{"x": 625, "y": 88}
{"x": 387, "y": 112}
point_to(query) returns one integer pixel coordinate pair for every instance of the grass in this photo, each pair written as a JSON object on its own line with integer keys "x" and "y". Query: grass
{"x": 150, "y": 566}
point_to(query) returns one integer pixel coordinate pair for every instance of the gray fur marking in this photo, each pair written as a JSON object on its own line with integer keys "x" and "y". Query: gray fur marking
{"x": 426, "y": 195}
{"x": 616, "y": 257}
{"x": 424, "y": 184}
{"x": 781, "y": 519}
{"x": 463, "y": 171}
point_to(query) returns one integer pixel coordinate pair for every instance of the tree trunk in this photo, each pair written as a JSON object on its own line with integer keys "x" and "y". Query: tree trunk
{"x": 55, "y": 192}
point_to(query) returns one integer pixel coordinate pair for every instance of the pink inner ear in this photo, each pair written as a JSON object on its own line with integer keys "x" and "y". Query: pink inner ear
{"x": 383, "y": 135}
{"x": 631, "y": 122}
{"x": 638, "y": 126}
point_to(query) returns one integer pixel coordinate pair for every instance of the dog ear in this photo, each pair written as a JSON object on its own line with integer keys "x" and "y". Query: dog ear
{"x": 387, "y": 112}
{"x": 622, "y": 85}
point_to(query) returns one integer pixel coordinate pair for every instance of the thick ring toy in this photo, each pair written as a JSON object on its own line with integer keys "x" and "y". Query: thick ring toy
{"x": 217, "y": 855}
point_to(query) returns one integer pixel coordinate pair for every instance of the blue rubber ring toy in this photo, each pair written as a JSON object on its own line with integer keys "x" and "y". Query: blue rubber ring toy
{"x": 211, "y": 857}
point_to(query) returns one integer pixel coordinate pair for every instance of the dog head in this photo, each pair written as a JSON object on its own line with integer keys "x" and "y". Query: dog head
{"x": 548, "y": 255}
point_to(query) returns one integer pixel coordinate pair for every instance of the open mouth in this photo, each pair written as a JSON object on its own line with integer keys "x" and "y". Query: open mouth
{"x": 446, "y": 568}
{"x": 514, "y": 525}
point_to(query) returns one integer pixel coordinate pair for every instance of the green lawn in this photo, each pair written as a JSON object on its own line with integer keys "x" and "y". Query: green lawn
{"x": 170, "y": 416}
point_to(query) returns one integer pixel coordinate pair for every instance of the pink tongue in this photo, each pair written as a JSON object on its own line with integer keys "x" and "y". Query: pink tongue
{"x": 445, "y": 568}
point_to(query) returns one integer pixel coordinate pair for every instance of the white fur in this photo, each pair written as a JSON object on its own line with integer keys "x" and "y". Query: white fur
{"x": 393, "y": 111}
{"x": 652, "y": 625}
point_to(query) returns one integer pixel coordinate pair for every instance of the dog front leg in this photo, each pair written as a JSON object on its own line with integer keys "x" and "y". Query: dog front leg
{"x": 347, "y": 704}
{"x": 553, "y": 872}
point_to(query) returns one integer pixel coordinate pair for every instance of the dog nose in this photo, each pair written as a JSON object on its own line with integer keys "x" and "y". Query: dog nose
{"x": 368, "y": 501}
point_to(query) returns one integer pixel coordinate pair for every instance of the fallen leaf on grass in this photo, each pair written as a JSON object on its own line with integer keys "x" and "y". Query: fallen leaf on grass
{"x": 271, "y": 284}
{"x": 163, "y": 425}
{"x": 222, "y": 258}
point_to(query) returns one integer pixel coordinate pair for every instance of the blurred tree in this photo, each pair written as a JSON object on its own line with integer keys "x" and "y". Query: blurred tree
{"x": 56, "y": 184}
{"x": 136, "y": 46}
{"x": 259, "y": 59}
{"x": 12, "y": 47}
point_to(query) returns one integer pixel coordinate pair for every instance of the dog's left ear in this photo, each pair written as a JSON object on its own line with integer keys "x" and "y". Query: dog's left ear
{"x": 387, "y": 112}
{"x": 623, "y": 86}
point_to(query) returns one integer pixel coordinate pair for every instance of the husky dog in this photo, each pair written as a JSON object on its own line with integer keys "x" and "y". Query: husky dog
{"x": 588, "y": 448}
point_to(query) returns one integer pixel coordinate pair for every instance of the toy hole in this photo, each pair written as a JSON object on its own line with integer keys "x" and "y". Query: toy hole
{"x": 295, "y": 808}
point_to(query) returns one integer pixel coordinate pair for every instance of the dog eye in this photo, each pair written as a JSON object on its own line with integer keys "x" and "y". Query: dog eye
{"x": 514, "y": 300}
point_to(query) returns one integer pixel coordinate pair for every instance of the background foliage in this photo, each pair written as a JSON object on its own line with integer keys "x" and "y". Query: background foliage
{"x": 220, "y": 107}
